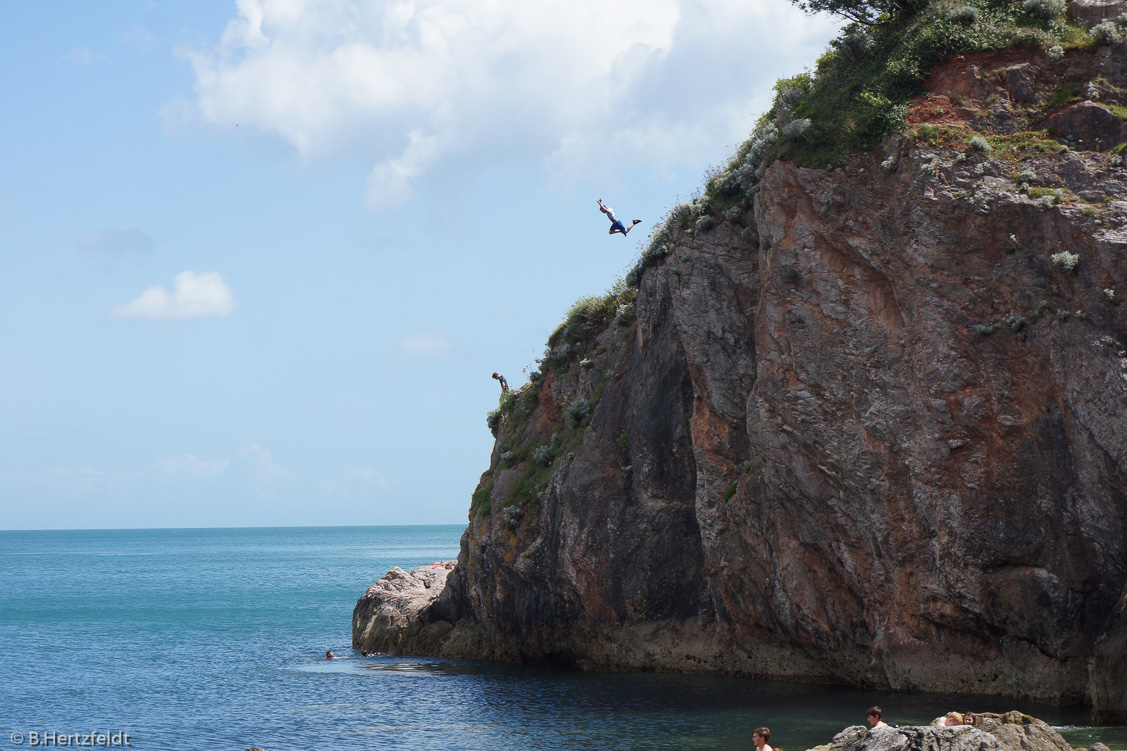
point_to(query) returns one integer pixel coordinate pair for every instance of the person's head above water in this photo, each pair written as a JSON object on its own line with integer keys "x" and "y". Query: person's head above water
{"x": 329, "y": 655}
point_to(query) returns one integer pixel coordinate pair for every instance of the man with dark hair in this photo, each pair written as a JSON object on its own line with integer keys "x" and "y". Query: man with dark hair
{"x": 615, "y": 224}
{"x": 875, "y": 720}
{"x": 503, "y": 382}
{"x": 760, "y": 738}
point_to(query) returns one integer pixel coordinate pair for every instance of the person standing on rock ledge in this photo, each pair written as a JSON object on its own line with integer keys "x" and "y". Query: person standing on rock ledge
{"x": 875, "y": 720}
{"x": 504, "y": 384}
{"x": 760, "y": 737}
{"x": 615, "y": 224}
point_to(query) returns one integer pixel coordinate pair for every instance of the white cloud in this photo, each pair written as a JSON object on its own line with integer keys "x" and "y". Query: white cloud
{"x": 187, "y": 465}
{"x": 141, "y": 38}
{"x": 368, "y": 476}
{"x": 267, "y": 478}
{"x": 409, "y": 85}
{"x": 255, "y": 453}
{"x": 84, "y": 56}
{"x": 357, "y": 483}
{"x": 193, "y": 296}
{"x": 115, "y": 242}
{"x": 425, "y": 345}
{"x": 389, "y": 182}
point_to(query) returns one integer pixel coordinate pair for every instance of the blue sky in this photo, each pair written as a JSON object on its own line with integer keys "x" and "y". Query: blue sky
{"x": 261, "y": 258}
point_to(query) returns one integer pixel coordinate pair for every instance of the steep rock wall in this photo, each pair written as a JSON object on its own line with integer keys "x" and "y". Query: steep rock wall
{"x": 866, "y": 432}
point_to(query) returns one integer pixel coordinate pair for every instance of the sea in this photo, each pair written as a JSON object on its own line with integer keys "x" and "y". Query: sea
{"x": 215, "y": 639}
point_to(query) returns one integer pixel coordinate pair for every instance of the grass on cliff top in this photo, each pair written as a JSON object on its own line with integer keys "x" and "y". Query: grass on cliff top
{"x": 859, "y": 92}
{"x": 861, "y": 87}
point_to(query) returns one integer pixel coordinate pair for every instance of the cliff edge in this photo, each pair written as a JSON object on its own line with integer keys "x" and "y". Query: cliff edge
{"x": 863, "y": 424}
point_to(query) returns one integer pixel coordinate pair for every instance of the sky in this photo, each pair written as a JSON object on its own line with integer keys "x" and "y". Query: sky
{"x": 260, "y": 258}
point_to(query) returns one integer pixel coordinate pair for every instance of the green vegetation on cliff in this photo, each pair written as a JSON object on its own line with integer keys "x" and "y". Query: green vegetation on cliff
{"x": 860, "y": 90}
{"x": 572, "y": 374}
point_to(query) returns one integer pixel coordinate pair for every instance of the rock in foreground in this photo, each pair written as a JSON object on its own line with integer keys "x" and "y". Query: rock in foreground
{"x": 1013, "y": 731}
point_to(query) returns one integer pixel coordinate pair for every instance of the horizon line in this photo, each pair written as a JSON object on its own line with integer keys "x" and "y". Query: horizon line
{"x": 264, "y": 526}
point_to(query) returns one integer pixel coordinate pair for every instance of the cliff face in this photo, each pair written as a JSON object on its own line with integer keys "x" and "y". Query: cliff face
{"x": 867, "y": 431}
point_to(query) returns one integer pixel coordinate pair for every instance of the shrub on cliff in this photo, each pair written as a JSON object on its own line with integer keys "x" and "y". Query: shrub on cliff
{"x": 511, "y": 516}
{"x": 1064, "y": 259}
{"x": 1046, "y": 9}
{"x": 543, "y": 455}
{"x": 866, "y": 12}
{"x": 576, "y": 411}
{"x": 480, "y": 503}
{"x": 588, "y": 316}
{"x": 1104, "y": 33}
{"x": 965, "y": 14}
{"x": 980, "y": 144}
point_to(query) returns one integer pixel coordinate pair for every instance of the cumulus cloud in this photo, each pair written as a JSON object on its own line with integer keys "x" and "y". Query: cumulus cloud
{"x": 409, "y": 85}
{"x": 115, "y": 242}
{"x": 187, "y": 465}
{"x": 192, "y": 296}
{"x": 425, "y": 345}
{"x": 84, "y": 56}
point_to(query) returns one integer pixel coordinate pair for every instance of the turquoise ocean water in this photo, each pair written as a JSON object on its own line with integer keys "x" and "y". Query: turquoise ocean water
{"x": 215, "y": 638}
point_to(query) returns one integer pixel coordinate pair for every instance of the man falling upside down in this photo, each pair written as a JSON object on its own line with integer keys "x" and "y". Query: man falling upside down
{"x": 615, "y": 224}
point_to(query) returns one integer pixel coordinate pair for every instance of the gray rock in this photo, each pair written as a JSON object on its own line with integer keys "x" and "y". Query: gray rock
{"x": 387, "y": 618}
{"x": 1088, "y": 13}
{"x": 1021, "y": 82}
{"x": 993, "y": 736}
{"x": 1089, "y": 125}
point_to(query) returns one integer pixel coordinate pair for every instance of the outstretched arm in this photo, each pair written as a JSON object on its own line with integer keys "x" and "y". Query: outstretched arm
{"x": 601, "y": 207}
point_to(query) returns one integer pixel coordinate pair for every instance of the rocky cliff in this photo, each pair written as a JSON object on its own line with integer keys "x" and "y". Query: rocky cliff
{"x": 865, "y": 424}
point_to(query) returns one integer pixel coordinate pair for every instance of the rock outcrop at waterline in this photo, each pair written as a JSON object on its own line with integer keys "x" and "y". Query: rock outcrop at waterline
{"x": 870, "y": 430}
{"x": 389, "y": 612}
{"x": 1012, "y": 731}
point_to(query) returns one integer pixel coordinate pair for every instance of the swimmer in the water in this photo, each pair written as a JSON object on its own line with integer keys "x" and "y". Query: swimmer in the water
{"x": 329, "y": 655}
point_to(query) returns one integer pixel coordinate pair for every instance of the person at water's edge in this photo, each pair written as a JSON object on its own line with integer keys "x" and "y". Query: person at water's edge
{"x": 875, "y": 718}
{"x": 615, "y": 224}
{"x": 760, "y": 738}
